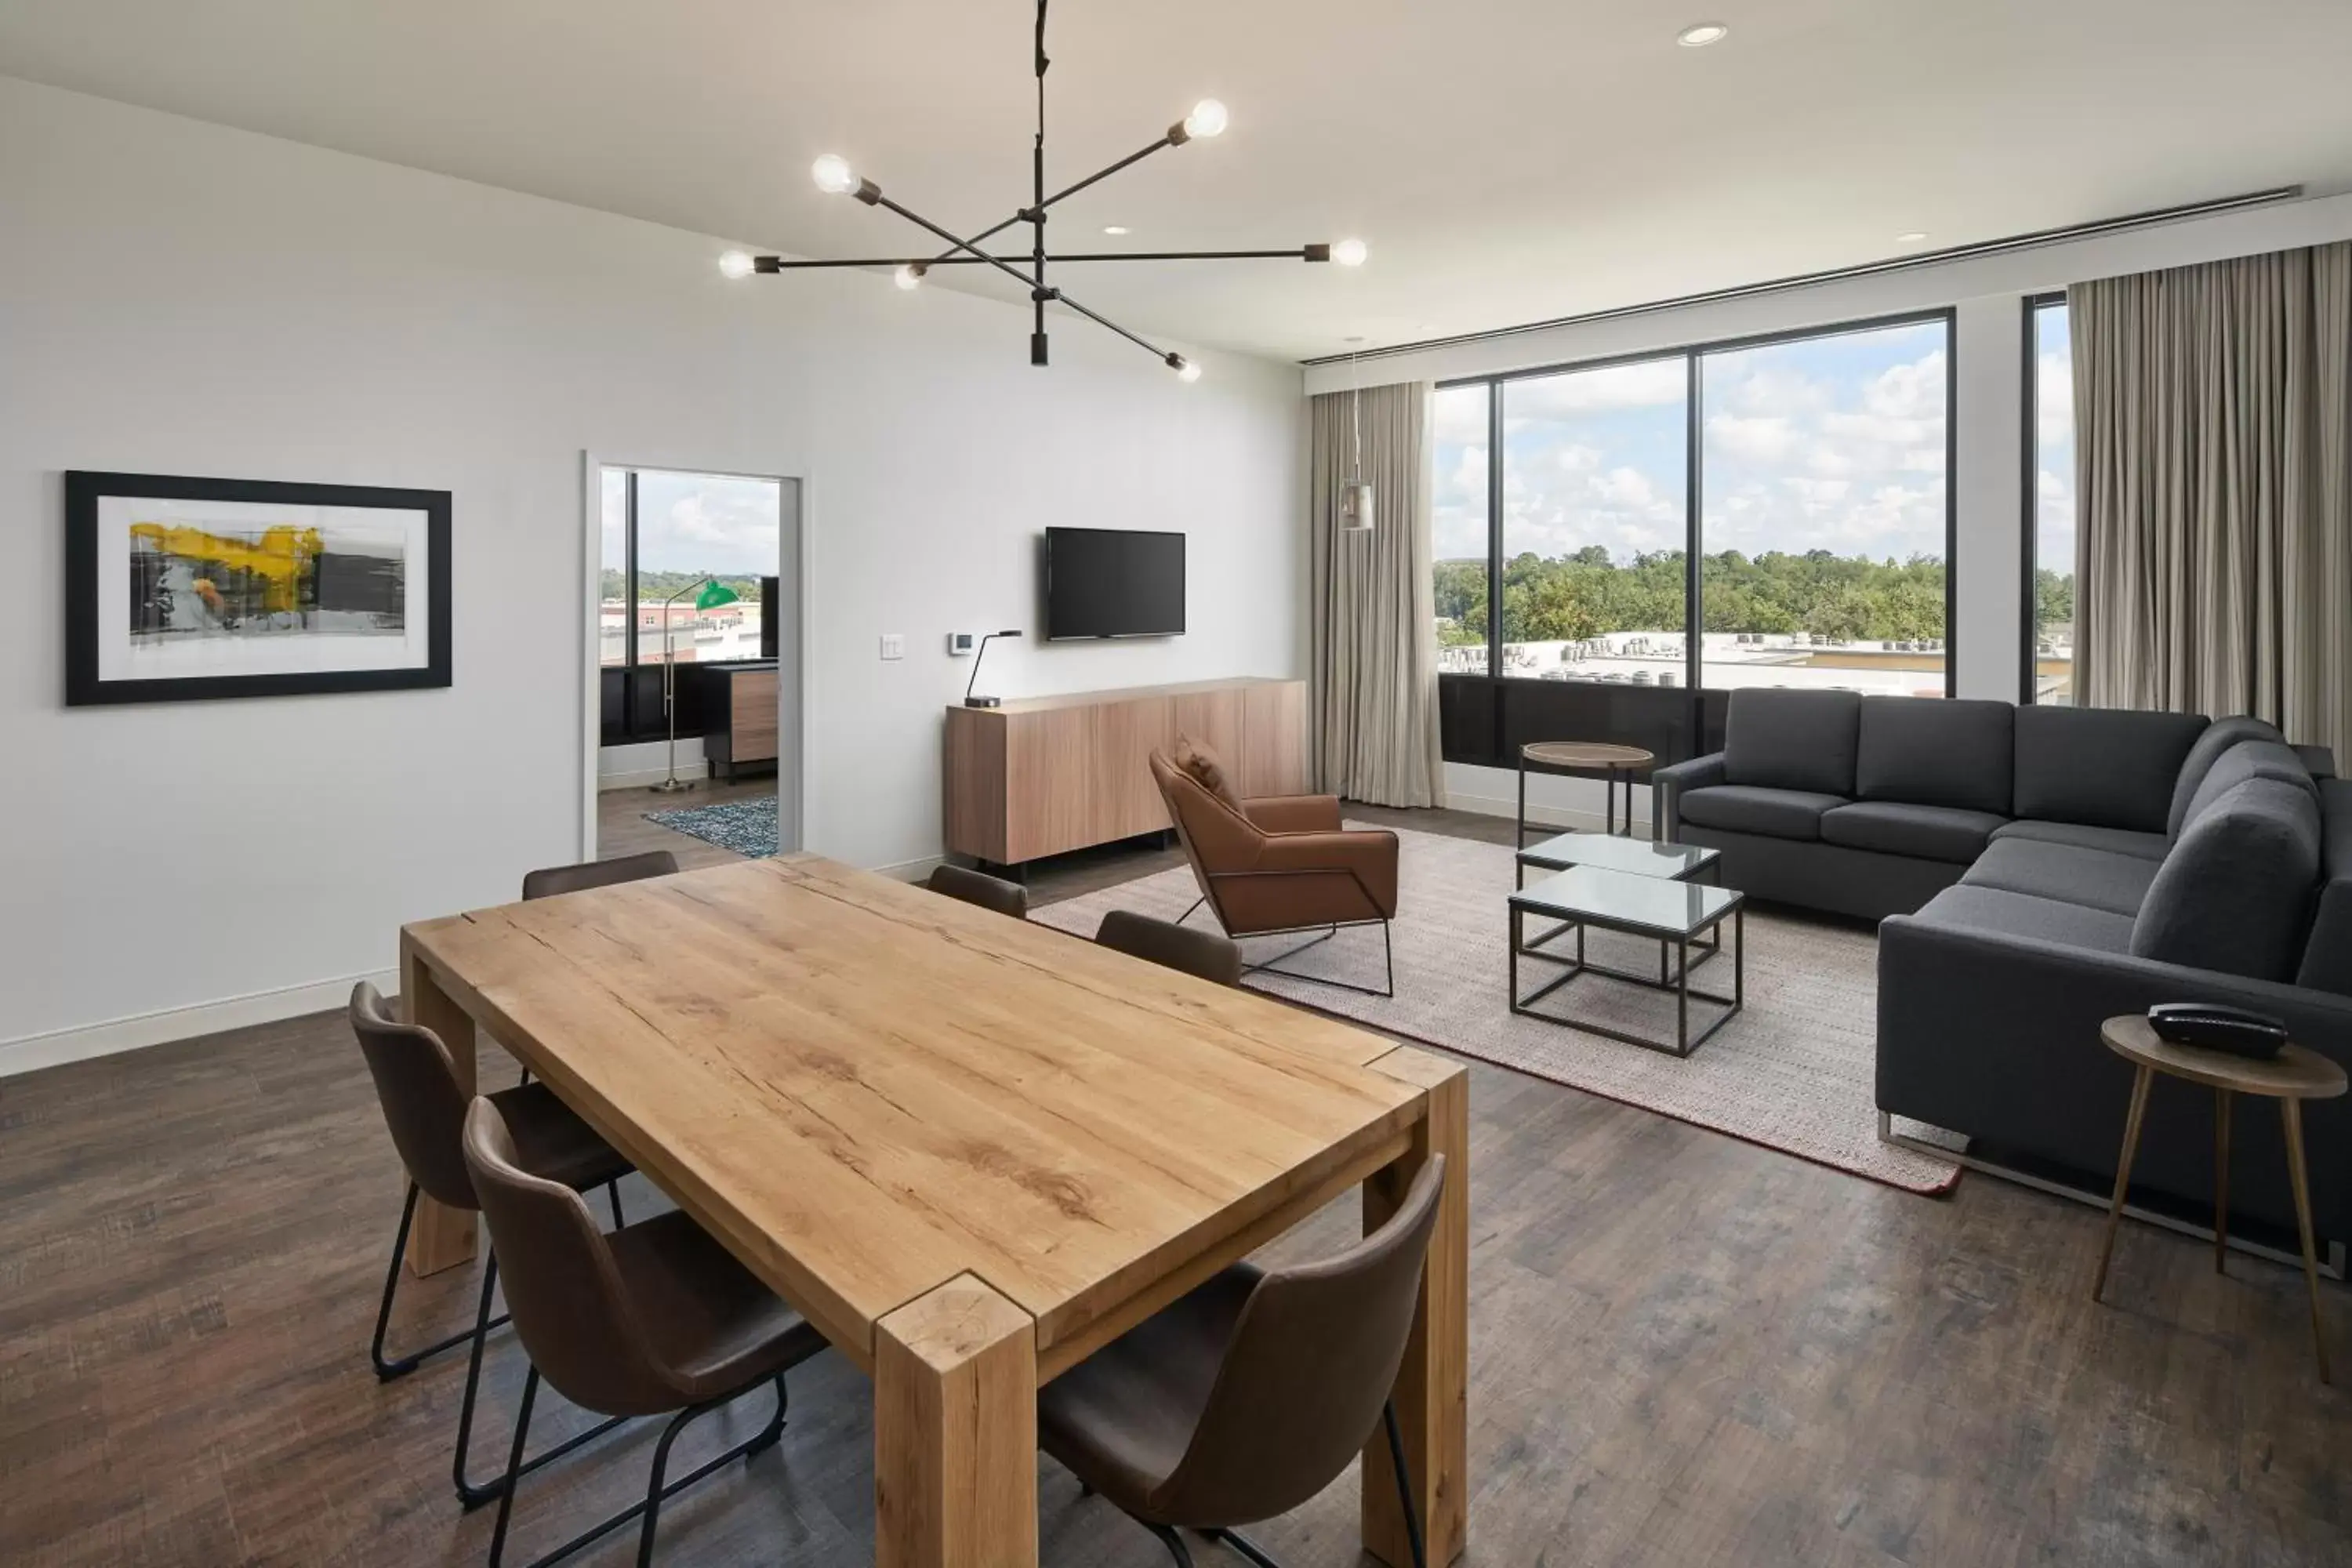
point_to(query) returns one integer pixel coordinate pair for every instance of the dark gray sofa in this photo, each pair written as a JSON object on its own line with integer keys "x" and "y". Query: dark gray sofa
{"x": 2040, "y": 870}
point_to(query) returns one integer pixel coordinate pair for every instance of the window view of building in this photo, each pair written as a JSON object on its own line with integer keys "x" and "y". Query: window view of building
{"x": 1595, "y": 511}
{"x": 1822, "y": 485}
{"x": 2049, "y": 599}
{"x": 1458, "y": 525}
{"x": 664, "y": 532}
{"x": 1820, "y": 521}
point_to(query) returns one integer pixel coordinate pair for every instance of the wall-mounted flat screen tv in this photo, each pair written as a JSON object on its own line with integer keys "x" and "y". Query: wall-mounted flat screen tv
{"x": 1113, "y": 583}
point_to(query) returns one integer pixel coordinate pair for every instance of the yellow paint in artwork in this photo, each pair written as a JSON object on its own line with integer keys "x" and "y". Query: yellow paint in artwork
{"x": 282, "y": 557}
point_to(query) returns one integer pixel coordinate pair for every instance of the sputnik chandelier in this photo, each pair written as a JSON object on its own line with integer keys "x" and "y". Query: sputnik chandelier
{"x": 834, "y": 175}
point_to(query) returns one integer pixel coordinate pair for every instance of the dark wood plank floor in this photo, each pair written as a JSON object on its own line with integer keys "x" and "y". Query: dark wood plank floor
{"x": 1686, "y": 1352}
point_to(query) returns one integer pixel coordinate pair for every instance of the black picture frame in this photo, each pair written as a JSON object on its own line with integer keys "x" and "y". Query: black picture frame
{"x": 84, "y": 489}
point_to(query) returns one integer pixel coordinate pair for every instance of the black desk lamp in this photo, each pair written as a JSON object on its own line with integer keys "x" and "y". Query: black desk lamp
{"x": 979, "y": 654}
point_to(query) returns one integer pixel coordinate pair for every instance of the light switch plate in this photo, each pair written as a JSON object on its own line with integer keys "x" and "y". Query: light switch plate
{"x": 894, "y": 645}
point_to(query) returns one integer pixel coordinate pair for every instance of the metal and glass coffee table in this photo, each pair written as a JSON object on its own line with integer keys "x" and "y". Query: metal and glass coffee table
{"x": 1643, "y": 857}
{"x": 1678, "y": 914}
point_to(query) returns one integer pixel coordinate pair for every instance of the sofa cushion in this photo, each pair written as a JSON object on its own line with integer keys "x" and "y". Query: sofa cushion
{"x": 2069, "y": 873}
{"x": 1897, "y": 827}
{"x": 1791, "y": 740}
{"x": 2021, "y": 914}
{"x": 1751, "y": 808}
{"x": 2248, "y": 760}
{"x": 2116, "y": 840}
{"x": 1956, "y": 752}
{"x": 2217, "y": 738}
{"x": 2235, "y": 893}
{"x": 2328, "y": 951}
{"x": 2102, "y": 767}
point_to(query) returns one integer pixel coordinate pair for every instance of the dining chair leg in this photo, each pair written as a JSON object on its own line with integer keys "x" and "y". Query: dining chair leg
{"x": 1171, "y": 1539}
{"x": 514, "y": 1466}
{"x": 1404, "y": 1476}
{"x": 654, "y": 1484}
{"x": 472, "y": 1495}
{"x": 612, "y": 1190}
{"x": 386, "y": 1371}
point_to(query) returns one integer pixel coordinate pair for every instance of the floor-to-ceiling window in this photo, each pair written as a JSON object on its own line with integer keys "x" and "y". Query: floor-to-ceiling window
{"x": 2050, "y": 588}
{"x": 1824, "y": 519}
{"x": 1816, "y": 503}
{"x": 1595, "y": 508}
{"x": 1458, "y": 517}
{"x": 664, "y": 532}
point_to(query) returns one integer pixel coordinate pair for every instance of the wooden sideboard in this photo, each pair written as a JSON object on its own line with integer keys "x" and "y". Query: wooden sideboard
{"x": 738, "y": 716}
{"x": 1041, "y": 776}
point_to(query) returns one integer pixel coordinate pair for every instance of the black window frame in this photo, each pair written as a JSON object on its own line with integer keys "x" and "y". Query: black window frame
{"x": 1694, "y": 524}
{"x": 2029, "y": 498}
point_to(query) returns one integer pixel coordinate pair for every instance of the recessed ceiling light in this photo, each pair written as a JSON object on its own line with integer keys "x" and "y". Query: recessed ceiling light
{"x": 1699, "y": 35}
{"x": 1116, "y": 228}
{"x": 1912, "y": 237}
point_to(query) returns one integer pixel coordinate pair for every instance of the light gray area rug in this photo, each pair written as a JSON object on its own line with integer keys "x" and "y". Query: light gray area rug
{"x": 1792, "y": 1072}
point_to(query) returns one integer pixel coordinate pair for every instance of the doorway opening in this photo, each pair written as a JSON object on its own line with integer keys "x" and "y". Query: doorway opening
{"x": 696, "y": 663}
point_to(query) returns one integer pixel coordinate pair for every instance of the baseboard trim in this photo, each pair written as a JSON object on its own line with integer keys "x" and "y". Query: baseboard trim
{"x": 1548, "y": 815}
{"x": 913, "y": 871}
{"x": 30, "y": 1053}
{"x": 643, "y": 778}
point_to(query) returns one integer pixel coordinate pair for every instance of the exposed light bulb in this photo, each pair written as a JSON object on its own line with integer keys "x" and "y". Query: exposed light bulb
{"x": 1912, "y": 237}
{"x": 1702, "y": 34}
{"x": 908, "y": 277}
{"x": 833, "y": 175}
{"x": 1192, "y": 370}
{"x": 1350, "y": 252}
{"x": 736, "y": 264}
{"x": 1207, "y": 119}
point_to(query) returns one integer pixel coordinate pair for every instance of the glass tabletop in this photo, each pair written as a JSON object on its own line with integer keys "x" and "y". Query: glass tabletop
{"x": 1647, "y": 906}
{"x": 1639, "y": 856}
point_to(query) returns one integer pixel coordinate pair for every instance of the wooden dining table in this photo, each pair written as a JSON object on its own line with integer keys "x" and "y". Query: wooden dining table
{"x": 969, "y": 1150}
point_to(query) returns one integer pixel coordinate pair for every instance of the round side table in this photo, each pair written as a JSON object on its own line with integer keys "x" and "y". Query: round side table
{"x": 2294, "y": 1076}
{"x": 1587, "y": 755}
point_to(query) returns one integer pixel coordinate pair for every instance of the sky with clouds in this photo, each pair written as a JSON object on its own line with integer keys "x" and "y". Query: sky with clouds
{"x": 1833, "y": 443}
{"x": 2053, "y": 414}
{"x": 696, "y": 522}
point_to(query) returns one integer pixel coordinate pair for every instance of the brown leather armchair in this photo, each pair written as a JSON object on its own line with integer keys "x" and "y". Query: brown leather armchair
{"x": 1283, "y": 864}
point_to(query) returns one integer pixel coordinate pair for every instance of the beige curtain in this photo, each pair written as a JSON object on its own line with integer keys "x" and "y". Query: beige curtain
{"x": 2213, "y": 464}
{"x": 1373, "y": 692}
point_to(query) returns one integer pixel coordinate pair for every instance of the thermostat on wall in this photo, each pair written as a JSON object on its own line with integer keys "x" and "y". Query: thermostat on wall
{"x": 959, "y": 644}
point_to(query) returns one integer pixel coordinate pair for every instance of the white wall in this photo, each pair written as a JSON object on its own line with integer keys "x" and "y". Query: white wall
{"x": 1988, "y": 295}
{"x": 181, "y": 299}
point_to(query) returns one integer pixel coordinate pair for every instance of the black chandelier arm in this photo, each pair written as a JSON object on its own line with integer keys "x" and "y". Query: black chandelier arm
{"x": 919, "y": 221}
{"x": 1304, "y": 253}
{"x": 1152, "y": 348}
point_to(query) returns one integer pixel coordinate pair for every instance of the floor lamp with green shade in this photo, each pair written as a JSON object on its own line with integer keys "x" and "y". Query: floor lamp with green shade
{"x": 713, "y": 594}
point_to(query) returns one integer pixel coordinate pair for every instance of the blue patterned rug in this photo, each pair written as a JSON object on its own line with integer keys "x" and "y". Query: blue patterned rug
{"x": 746, "y": 826}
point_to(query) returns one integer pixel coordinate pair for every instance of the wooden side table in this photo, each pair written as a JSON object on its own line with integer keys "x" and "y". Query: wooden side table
{"x": 2294, "y": 1076}
{"x": 1587, "y": 755}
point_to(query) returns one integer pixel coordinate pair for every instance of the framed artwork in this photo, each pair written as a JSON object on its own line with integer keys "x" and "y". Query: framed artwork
{"x": 186, "y": 589}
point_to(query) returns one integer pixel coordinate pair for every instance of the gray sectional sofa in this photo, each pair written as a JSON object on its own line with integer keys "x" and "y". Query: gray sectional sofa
{"x": 2036, "y": 870}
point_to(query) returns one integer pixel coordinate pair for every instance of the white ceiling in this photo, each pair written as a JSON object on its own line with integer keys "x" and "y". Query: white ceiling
{"x": 1507, "y": 160}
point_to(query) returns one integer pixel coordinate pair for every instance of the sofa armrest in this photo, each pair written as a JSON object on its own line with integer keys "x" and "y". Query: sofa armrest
{"x": 1368, "y": 855}
{"x": 2318, "y": 760}
{"x": 1667, "y": 787}
{"x": 1294, "y": 813}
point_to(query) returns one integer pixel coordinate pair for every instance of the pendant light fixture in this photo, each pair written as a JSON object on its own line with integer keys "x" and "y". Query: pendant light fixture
{"x": 835, "y": 175}
{"x": 1356, "y": 495}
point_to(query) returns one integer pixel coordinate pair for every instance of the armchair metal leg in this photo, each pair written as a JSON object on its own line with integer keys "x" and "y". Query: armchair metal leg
{"x": 385, "y": 1371}
{"x": 1388, "y": 964}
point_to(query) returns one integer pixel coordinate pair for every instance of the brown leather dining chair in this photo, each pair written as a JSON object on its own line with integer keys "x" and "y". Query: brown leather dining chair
{"x": 549, "y": 880}
{"x": 1280, "y": 866}
{"x": 1243, "y": 1399}
{"x": 978, "y": 888}
{"x": 1203, "y": 954}
{"x": 425, "y": 1109}
{"x": 654, "y": 1318}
